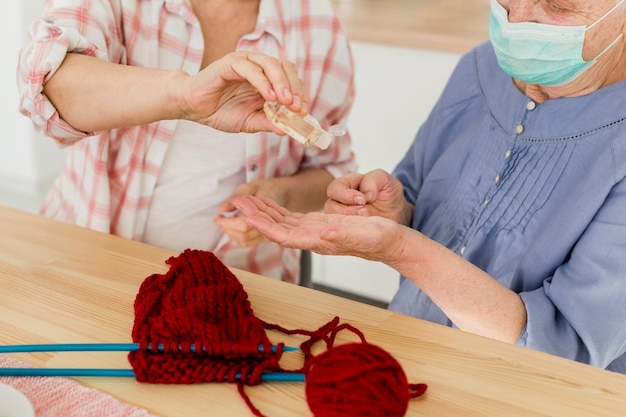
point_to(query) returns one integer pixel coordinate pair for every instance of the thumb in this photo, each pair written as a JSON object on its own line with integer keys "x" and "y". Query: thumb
{"x": 372, "y": 184}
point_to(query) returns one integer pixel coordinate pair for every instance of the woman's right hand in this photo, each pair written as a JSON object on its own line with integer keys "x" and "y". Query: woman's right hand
{"x": 376, "y": 193}
{"x": 229, "y": 94}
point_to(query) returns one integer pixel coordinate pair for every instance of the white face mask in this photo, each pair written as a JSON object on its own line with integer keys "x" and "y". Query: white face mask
{"x": 538, "y": 53}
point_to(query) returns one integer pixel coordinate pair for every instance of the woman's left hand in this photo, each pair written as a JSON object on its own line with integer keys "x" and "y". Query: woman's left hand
{"x": 233, "y": 224}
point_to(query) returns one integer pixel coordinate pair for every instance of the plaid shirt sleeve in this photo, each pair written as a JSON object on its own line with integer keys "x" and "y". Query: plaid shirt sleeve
{"x": 66, "y": 26}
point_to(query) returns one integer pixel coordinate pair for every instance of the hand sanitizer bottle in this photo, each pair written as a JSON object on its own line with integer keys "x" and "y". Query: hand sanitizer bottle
{"x": 304, "y": 129}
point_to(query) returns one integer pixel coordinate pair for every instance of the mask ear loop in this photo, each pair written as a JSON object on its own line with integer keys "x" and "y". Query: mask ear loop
{"x": 621, "y": 35}
{"x": 619, "y": 3}
{"x": 591, "y": 62}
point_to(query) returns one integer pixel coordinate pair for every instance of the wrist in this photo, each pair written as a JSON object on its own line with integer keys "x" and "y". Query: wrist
{"x": 409, "y": 251}
{"x": 177, "y": 97}
{"x": 407, "y": 214}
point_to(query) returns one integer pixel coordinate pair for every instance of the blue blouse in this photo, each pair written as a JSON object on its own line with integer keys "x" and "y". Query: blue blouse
{"x": 533, "y": 194}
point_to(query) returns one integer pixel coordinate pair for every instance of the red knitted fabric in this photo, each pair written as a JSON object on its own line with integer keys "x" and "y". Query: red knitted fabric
{"x": 198, "y": 301}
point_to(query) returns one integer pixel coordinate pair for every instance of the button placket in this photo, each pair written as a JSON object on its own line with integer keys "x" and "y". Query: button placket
{"x": 496, "y": 180}
{"x": 519, "y": 129}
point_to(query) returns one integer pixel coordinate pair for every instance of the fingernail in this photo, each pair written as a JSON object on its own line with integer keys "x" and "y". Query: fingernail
{"x": 359, "y": 200}
{"x": 363, "y": 212}
{"x": 230, "y": 213}
{"x": 287, "y": 94}
{"x": 297, "y": 101}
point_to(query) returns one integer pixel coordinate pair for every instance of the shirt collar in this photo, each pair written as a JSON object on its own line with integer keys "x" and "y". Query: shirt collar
{"x": 270, "y": 17}
{"x": 182, "y": 8}
{"x": 270, "y": 20}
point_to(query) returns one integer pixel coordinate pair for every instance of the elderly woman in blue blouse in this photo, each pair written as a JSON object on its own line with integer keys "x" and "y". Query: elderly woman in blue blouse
{"x": 507, "y": 215}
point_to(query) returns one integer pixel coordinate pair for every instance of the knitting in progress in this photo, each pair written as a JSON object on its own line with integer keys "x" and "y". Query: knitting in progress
{"x": 200, "y": 302}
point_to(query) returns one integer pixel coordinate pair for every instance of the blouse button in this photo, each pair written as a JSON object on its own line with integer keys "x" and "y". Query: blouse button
{"x": 496, "y": 179}
{"x": 519, "y": 129}
{"x": 507, "y": 154}
{"x": 462, "y": 250}
{"x": 531, "y": 105}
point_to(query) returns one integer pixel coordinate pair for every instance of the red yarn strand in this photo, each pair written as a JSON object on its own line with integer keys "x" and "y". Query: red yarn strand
{"x": 199, "y": 301}
{"x": 417, "y": 390}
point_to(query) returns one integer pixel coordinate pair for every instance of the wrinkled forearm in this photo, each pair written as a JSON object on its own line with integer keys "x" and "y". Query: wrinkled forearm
{"x": 473, "y": 300}
{"x": 94, "y": 95}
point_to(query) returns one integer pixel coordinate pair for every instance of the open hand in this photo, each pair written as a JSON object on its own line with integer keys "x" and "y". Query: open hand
{"x": 373, "y": 238}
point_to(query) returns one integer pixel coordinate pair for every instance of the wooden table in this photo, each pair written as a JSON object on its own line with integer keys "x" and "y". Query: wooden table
{"x": 447, "y": 25}
{"x": 63, "y": 284}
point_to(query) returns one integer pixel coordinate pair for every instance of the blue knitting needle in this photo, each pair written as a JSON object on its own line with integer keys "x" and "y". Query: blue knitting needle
{"x": 101, "y": 347}
{"x": 84, "y": 372}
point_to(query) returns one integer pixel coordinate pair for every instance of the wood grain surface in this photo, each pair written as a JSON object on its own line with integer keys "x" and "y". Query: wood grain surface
{"x": 65, "y": 284}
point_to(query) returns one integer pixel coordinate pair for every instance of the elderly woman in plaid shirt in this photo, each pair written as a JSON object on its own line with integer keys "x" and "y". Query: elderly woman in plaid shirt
{"x": 144, "y": 93}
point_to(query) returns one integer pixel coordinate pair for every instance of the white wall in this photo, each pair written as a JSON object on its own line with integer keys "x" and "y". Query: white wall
{"x": 396, "y": 88}
{"x": 28, "y": 161}
{"x": 15, "y": 160}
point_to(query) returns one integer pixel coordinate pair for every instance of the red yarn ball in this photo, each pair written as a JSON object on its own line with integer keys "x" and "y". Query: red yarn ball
{"x": 358, "y": 379}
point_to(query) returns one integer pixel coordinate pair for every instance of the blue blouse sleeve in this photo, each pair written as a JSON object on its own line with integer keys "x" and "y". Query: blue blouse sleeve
{"x": 579, "y": 313}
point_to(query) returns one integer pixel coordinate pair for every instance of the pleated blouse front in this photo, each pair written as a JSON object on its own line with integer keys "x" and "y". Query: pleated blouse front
{"x": 534, "y": 194}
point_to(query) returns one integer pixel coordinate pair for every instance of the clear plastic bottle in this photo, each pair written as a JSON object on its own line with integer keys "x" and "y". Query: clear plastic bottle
{"x": 304, "y": 129}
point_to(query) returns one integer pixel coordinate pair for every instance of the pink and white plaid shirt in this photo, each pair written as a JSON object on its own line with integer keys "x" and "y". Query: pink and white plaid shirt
{"x": 109, "y": 177}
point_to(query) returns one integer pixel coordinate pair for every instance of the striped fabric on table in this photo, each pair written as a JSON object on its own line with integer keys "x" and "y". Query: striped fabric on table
{"x": 55, "y": 397}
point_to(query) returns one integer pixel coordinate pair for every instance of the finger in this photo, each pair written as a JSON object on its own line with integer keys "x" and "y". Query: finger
{"x": 281, "y": 214}
{"x": 258, "y": 122}
{"x": 285, "y": 80}
{"x": 275, "y": 232}
{"x": 372, "y": 183}
{"x": 232, "y": 224}
{"x": 227, "y": 209}
{"x": 345, "y": 190}
{"x": 241, "y": 66}
{"x": 335, "y": 207}
{"x": 296, "y": 87}
{"x": 266, "y": 208}
{"x": 252, "y": 206}
{"x": 251, "y": 238}
{"x": 265, "y": 216}
{"x": 248, "y": 205}
{"x": 273, "y": 205}
{"x": 238, "y": 230}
